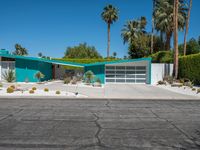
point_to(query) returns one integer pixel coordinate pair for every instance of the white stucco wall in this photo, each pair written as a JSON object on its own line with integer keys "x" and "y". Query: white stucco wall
{"x": 159, "y": 70}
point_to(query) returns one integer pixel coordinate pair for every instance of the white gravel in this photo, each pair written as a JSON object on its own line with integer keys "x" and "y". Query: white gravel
{"x": 182, "y": 90}
{"x": 3, "y": 92}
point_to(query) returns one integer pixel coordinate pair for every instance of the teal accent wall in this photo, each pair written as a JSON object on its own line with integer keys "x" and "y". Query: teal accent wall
{"x": 149, "y": 72}
{"x": 28, "y": 68}
{"x": 98, "y": 70}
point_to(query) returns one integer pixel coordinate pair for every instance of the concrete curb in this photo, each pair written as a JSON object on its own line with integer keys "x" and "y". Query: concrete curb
{"x": 81, "y": 98}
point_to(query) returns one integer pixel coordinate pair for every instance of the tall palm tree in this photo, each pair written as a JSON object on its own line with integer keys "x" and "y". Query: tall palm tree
{"x": 176, "y": 3}
{"x": 152, "y": 31}
{"x": 133, "y": 29}
{"x": 186, "y": 27}
{"x": 109, "y": 15}
{"x": 163, "y": 18}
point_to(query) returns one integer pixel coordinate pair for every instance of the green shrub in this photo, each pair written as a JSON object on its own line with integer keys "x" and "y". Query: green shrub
{"x": 193, "y": 89}
{"x": 162, "y": 57}
{"x": 9, "y": 76}
{"x": 1, "y": 85}
{"x": 161, "y": 83}
{"x": 57, "y": 92}
{"x": 198, "y": 91}
{"x": 67, "y": 80}
{"x": 98, "y": 80}
{"x": 10, "y": 90}
{"x": 34, "y": 88}
{"x": 31, "y": 91}
{"x": 46, "y": 89}
{"x": 189, "y": 67}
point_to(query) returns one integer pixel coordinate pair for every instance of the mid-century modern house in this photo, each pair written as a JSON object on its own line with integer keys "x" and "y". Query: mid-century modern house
{"x": 131, "y": 71}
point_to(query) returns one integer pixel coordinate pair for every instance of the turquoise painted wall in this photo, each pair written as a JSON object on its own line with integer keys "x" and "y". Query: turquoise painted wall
{"x": 26, "y": 69}
{"x": 98, "y": 70}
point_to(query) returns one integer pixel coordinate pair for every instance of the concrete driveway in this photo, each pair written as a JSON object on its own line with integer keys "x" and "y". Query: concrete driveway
{"x": 54, "y": 124}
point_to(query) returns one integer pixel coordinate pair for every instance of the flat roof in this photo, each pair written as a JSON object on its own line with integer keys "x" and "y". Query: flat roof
{"x": 68, "y": 63}
{"x": 59, "y": 62}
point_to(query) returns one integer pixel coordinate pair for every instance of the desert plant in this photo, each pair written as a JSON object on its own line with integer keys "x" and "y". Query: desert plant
{"x": 198, "y": 91}
{"x": 10, "y": 90}
{"x": 168, "y": 79}
{"x": 161, "y": 83}
{"x": 39, "y": 76}
{"x": 46, "y": 89}
{"x": 31, "y": 91}
{"x": 9, "y": 76}
{"x": 57, "y": 92}
{"x": 1, "y": 85}
{"x": 67, "y": 80}
{"x": 98, "y": 80}
{"x": 12, "y": 86}
{"x": 89, "y": 76}
{"x": 34, "y": 88}
{"x": 193, "y": 89}
{"x": 74, "y": 80}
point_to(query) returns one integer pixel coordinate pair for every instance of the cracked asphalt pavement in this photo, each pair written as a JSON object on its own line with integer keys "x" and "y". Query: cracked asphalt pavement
{"x": 92, "y": 124}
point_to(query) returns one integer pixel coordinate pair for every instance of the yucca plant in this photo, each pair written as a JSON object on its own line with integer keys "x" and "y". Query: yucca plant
{"x": 39, "y": 76}
{"x": 9, "y": 76}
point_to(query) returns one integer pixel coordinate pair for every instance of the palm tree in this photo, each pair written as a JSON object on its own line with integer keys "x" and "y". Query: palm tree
{"x": 19, "y": 50}
{"x": 176, "y": 3}
{"x": 186, "y": 27}
{"x": 163, "y": 18}
{"x": 109, "y": 15}
{"x": 133, "y": 29}
{"x": 152, "y": 31}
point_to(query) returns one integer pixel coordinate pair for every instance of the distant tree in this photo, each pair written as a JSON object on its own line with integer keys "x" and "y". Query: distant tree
{"x": 109, "y": 15}
{"x": 114, "y": 54}
{"x": 192, "y": 47}
{"x": 199, "y": 40}
{"x": 19, "y": 50}
{"x": 40, "y": 54}
{"x": 82, "y": 51}
{"x": 125, "y": 57}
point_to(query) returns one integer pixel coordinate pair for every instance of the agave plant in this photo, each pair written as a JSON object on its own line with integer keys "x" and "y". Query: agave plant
{"x": 9, "y": 76}
{"x": 89, "y": 76}
{"x": 39, "y": 76}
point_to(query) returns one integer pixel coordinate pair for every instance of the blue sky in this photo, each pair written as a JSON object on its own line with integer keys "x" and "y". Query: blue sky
{"x": 50, "y": 26}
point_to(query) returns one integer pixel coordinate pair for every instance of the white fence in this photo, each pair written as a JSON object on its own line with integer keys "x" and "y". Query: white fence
{"x": 159, "y": 71}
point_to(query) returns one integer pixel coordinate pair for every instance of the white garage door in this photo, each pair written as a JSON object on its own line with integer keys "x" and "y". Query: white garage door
{"x": 125, "y": 74}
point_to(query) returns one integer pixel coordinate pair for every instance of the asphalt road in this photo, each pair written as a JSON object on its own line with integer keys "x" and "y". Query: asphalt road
{"x": 99, "y": 124}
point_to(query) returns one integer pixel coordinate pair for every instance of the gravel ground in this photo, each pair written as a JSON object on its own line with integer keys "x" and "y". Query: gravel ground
{"x": 181, "y": 90}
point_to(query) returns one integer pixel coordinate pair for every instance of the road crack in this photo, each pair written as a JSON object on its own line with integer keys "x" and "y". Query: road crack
{"x": 177, "y": 128}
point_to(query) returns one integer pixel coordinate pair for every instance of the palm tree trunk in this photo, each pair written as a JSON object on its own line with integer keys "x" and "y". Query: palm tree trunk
{"x": 168, "y": 41}
{"x": 186, "y": 28}
{"x": 152, "y": 32}
{"x": 176, "y": 2}
{"x": 108, "y": 47}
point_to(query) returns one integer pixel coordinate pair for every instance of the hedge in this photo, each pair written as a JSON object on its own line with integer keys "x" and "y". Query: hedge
{"x": 162, "y": 57}
{"x": 189, "y": 67}
{"x": 82, "y": 61}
